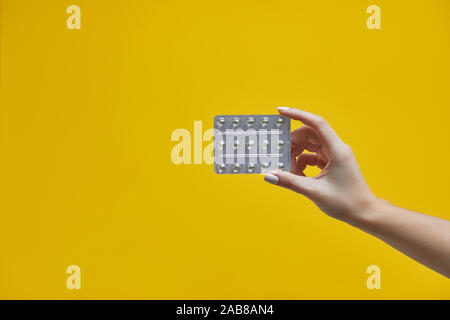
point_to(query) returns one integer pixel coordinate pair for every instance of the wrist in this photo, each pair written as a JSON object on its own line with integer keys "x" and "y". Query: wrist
{"x": 367, "y": 213}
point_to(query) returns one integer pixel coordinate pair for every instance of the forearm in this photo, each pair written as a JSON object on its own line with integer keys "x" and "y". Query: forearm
{"x": 423, "y": 238}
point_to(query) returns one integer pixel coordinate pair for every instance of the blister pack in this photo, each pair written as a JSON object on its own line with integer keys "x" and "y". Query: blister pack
{"x": 251, "y": 143}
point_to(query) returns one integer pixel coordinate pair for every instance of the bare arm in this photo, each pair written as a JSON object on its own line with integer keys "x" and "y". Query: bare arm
{"x": 423, "y": 238}
{"x": 341, "y": 192}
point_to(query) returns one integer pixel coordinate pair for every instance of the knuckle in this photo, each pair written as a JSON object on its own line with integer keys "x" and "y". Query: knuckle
{"x": 289, "y": 182}
{"x": 346, "y": 152}
{"x": 348, "y": 149}
{"x": 320, "y": 121}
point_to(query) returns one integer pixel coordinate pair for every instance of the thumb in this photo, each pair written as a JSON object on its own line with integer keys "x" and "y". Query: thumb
{"x": 299, "y": 184}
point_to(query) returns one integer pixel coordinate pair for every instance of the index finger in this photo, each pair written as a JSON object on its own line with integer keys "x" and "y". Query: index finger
{"x": 324, "y": 131}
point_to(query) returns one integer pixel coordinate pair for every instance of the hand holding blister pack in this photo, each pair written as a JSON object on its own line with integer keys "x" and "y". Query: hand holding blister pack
{"x": 251, "y": 143}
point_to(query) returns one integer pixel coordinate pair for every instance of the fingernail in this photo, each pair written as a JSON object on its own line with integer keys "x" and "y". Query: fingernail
{"x": 270, "y": 178}
{"x": 283, "y": 108}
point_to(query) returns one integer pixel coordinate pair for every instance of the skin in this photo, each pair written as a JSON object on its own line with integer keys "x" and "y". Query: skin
{"x": 341, "y": 192}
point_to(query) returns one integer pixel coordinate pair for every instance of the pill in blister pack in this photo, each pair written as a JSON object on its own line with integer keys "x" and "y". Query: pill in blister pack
{"x": 251, "y": 143}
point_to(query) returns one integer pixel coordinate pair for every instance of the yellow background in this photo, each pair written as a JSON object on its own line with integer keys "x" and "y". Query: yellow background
{"x": 87, "y": 115}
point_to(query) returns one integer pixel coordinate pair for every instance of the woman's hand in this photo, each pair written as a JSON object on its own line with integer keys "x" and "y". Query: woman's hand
{"x": 339, "y": 190}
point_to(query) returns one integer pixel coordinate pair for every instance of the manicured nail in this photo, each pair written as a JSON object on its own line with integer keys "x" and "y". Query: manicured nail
{"x": 270, "y": 178}
{"x": 283, "y": 108}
